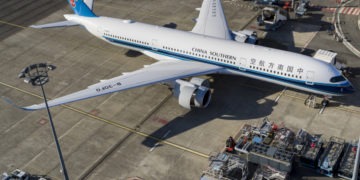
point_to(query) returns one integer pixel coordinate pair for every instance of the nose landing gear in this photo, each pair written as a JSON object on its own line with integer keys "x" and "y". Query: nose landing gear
{"x": 311, "y": 102}
{"x": 324, "y": 103}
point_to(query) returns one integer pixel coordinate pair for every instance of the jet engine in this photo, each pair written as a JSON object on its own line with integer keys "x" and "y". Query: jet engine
{"x": 192, "y": 94}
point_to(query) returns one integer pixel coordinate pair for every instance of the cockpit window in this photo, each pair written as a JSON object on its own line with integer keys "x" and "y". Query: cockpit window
{"x": 337, "y": 79}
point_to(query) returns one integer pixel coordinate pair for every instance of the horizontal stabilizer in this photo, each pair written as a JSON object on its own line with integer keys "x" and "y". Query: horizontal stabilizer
{"x": 54, "y": 25}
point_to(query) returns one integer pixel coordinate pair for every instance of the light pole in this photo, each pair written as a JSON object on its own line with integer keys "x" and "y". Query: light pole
{"x": 37, "y": 75}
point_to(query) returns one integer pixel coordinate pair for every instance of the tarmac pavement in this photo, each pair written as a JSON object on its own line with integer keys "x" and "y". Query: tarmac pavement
{"x": 144, "y": 132}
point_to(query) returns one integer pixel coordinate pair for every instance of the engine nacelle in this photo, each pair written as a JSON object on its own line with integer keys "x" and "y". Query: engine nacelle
{"x": 200, "y": 82}
{"x": 195, "y": 93}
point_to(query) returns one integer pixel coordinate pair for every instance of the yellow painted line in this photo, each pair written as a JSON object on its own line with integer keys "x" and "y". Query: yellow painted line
{"x": 21, "y": 90}
{"x": 114, "y": 123}
{"x": 295, "y": 97}
{"x": 135, "y": 131}
{"x": 11, "y": 24}
{"x": 347, "y": 110}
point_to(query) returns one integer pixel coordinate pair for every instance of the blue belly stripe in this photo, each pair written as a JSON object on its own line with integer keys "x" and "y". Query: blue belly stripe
{"x": 326, "y": 88}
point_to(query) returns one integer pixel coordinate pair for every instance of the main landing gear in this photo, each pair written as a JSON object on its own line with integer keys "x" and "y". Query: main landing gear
{"x": 325, "y": 101}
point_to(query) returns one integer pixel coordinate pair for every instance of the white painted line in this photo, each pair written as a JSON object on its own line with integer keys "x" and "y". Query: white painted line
{"x": 348, "y": 10}
{"x": 282, "y": 92}
{"x": 164, "y": 136}
{"x": 357, "y": 12}
{"x": 312, "y": 37}
{"x": 322, "y": 110}
{"x": 342, "y": 10}
{"x": 353, "y": 9}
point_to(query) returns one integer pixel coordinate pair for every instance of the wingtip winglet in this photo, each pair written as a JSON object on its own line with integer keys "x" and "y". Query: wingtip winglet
{"x": 15, "y": 105}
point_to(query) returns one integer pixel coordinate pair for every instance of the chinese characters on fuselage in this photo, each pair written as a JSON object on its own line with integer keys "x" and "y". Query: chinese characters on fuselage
{"x": 277, "y": 67}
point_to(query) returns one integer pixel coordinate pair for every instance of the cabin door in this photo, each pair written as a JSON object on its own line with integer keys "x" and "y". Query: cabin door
{"x": 242, "y": 64}
{"x": 310, "y": 78}
{"x": 155, "y": 44}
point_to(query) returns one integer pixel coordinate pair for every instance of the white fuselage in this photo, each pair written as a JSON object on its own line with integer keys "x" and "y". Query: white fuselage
{"x": 271, "y": 65}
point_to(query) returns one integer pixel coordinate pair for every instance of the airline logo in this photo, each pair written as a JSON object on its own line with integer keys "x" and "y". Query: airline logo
{"x": 72, "y": 2}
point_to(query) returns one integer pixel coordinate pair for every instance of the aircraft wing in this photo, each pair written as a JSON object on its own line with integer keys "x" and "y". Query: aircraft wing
{"x": 158, "y": 72}
{"x": 212, "y": 21}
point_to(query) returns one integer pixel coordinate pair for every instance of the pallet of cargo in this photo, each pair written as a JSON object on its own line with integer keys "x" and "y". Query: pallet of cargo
{"x": 226, "y": 166}
{"x": 268, "y": 173}
{"x": 330, "y": 159}
{"x": 311, "y": 151}
{"x": 347, "y": 163}
{"x": 277, "y": 158}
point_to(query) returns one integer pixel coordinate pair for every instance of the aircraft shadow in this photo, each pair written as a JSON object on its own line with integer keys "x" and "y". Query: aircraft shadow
{"x": 132, "y": 53}
{"x": 242, "y": 101}
{"x": 230, "y": 101}
{"x": 170, "y": 25}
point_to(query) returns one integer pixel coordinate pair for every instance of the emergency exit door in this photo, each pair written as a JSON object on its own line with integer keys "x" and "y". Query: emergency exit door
{"x": 242, "y": 64}
{"x": 310, "y": 78}
{"x": 155, "y": 44}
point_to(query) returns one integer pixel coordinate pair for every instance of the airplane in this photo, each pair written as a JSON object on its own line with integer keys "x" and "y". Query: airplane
{"x": 209, "y": 48}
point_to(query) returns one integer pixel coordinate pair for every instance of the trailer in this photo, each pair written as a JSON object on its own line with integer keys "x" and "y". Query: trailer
{"x": 245, "y": 139}
{"x": 263, "y": 154}
{"x": 245, "y": 36}
{"x": 347, "y": 163}
{"x": 268, "y": 173}
{"x": 18, "y": 174}
{"x": 284, "y": 138}
{"x": 310, "y": 154}
{"x": 272, "y": 17}
{"x": 330, "y": 159}
{"x": 226, "y": 166}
